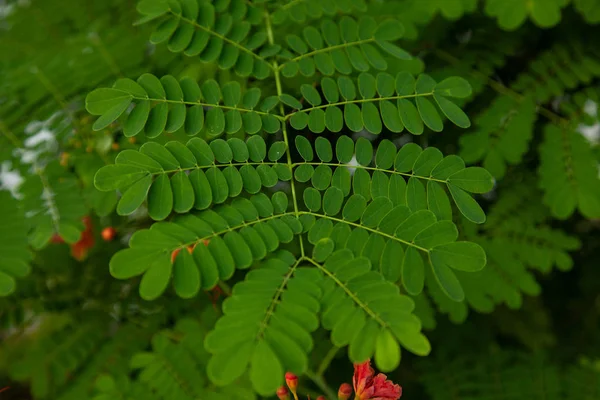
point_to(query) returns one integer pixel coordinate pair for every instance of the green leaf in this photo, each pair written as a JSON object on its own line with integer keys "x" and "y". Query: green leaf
{"x": 186, "y": 276}
{"x": 429, "y": 114}
{"x": 111, "y": 177}
{"x": 155, "y": 279}
{"x": 183, "y": 192}
{"x": 100, "y": 101}
{"x": 332, "y": 201}
{"x": 290, "y": 101}
{"x": 111, "y": 115}
{"x": 387, "y": 351}
{"x": 265, "y": 369}
{"x": 416, "y": 198}
{"x": 257, "y": 148}
{"x": 414, "y": 224}
{"x": 161, "y": 154}
{"x": 364, "y": 151}
{"x": 448, "y": 281}
{"x": 441, "y": 232}
{"x": 304, "y": 148}
{"x": 134, "y": 196}
{"x": 312, "y": 199}
{"x": 324, "y": 150}
{"x": 413, "y": 271}
{"x": 454, "y": 87}
{"x": 323, "y": 248}
{"x": 394, "y": 50}
{"x": 386, "y": 153}
{"x": 276, "y": 151}
{"x": 152, "y": 86}
{"x": 462, "y": 256}
{"x": 452, "y": 111}
{"x": 311, "y": 94}
{"x": 427, "y": 160}
{"x": 406, "y": 157}
{"x": 160, "y": 198}
{"x": 467, "y": 205}
{"x": 7, "y": 284}
{"x": 157, "y": 120}
{"x": 438, "y": 201}
{"x": 410, "y": 116}
{"x": 344, "y": 149}
{"x": 137, "y": 119}
{"x": 389, "y": 29}
{"x": 472, "y": 179}
{"x": 376, "y": 211}
{"x": 354, "y": 208}
{"x": 448, "y": 166}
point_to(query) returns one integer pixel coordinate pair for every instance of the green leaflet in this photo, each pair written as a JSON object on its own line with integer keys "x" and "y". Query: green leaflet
{"x": 168, "y": 105}
{"x": 178, "y": 177}
{"x": 384, "y": 101}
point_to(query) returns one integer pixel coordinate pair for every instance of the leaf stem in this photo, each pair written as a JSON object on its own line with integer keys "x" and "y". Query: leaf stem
{"x": 283, "y": 125}
{"x": 330, "y": 48}
{"x": 327, "y": 360}
{"x": 223, "y": 38}
{"x": 320, "y": 382}
{"x": 387, "y": 171}
{"x": 341, "y": 103}
{"x": 316, "y": 215}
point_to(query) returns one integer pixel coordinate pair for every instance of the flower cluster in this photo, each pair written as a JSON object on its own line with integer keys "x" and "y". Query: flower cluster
{"x": 367, "y": 386}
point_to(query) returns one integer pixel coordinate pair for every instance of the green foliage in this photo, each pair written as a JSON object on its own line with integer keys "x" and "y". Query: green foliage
{"x": 14, "y": 253}
{"x": 510, "y": 375}
{"x": 270, "y": 185}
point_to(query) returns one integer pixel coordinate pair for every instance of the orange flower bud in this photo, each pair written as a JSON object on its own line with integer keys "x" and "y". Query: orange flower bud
{"x": 283, "y": 394}
{"x": 345, "y": 391}
{"x": 190, "y": 249}
{"x": 292, "y": 381}
{"x": 206, "y": 242}
{"x": 108, "y": 233}
{"x": 321, "y": 398}
{"x": 132, "y": 140}
{"x": 115, "y": 146}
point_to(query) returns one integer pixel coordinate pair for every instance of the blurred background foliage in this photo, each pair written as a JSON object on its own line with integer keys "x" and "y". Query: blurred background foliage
{"x": 69, "y": 330}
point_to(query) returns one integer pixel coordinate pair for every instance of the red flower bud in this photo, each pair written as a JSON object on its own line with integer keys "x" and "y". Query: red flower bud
{"x": 345, "y": 391}
{"x": 283, "y": 394}
{"x": 108, "y": 233}
{"x": 174, "y": 254}
{"x": 321, "y": 398}
{"x": 292, "y": 381}
{"x": 56, "y": 239}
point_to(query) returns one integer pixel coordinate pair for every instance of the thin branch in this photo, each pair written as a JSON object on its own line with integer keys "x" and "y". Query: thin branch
{"x": 329, "y": 49}
{"x": 350, "y": 294}
{"x": 320, "y": 382}
{"x": 365, "y": 228}
{"x": 197, "y": 103}
{"x": 223, "y": 38}
{"x": 283, "y": 127}
{"x": 341, "y": 103}
{"x": 387, "y": 171}
{"x": 275, "y": 300}
{"x": 327, "y": 360}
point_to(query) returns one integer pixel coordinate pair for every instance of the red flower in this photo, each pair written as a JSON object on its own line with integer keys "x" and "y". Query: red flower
{"x": 370, "y": 387}
{"x": 79, "y": 250}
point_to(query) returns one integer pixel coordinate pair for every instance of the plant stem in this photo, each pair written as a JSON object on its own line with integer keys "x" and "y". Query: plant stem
{"x": 327, "y": 360}
{"x": 283, "y": 125}
{"x": 320, "y": 382}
